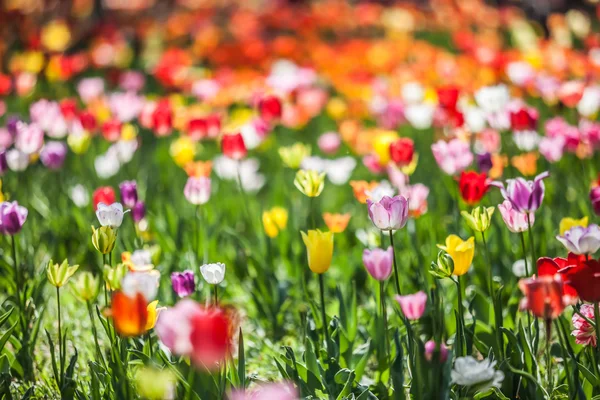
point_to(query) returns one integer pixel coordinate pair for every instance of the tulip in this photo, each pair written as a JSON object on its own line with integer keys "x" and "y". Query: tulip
{"x": 430, "y": 347}
{"x": 183, "y": 150}
{"x": 378, "y": 262}
{"x": 453, "y": 156}
{"x": 462, "y": 253}
{"x": 484, "y": 162}
{"x": 183, "y": 283}
{"x": 3, "y": 162}
{"x": 270, "y": 108}
{"x": 155, "y": 384}
{"x": 473, "y": 186}
{"x": 129, "y": 194}
{"x": 153, "y": 313}
{"x": 525, "y": 196}
{"x": 59, "y": 274}
{"x": 139, "y": 261}
{"x": 329, "y": 142}
{"x": 543, "y": 296}
{"x": 53, "y": 154}
{"x": 213, "y": 273}
{"x": 580, "y": 240}
{"x": 412, "y": 305}
{"x": 17, "y": 160}
{"x": 274, "y": 221}
{"x": 79, "y": 142}
{"x": 268, "y": 391}
{"x": 390, "y": 213}
{"x": 515, "y": 221}
{"x": 12, "y": 217}
{"x": 197, "y": 190}
{"x": 337, "y": 223}
{"x": 138, "y": 212}
{"x": 381, "y": 146}
{"x": 129, "y": 313}
{"x": 319, "y": 248}
{"x": 402, "y": 151}
{"x": 550, "y": 267}
{"x": 104, "y": 239}
{"x": 584, "y": 277}
{"x": 595, "y": 198}
{"x": 113, "y": 276}
{"x": 86, "y": 286}
{"x": 104, "y": 194}
{"x": 233, "y": 146}
{"x": 523, "y": 119}
{"x": 479, "y": 219}
{"x": 144, "y": 283}
{"x": 310, "y": 183}
{"x": 110, "y": 215}
{"x": 292, "y": 156}
{"x": 30, "y": 138}
{"x": 443, "y": 267}
{"x": 584, "y": 332}
{"x": 199, "y": 168}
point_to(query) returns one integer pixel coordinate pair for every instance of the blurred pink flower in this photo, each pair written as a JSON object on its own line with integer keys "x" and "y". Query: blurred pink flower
{"x": 430, "y": 348}
{"x": 453, "y": 156}
{"x": 488, "y": 141}
{"x": 125, "y": 106}
{"x": 132, "y": 80}
{"x": 371, "y": 161}
{"x": 90, "y": 89}
{"x": 584, "y": 332}
{"x": 329, "y": 142}
{"x": 552, "y": 148}
{"x": 311, "y": 100}
{"x": 413, "y": 305}
{"x": 30, "y": 138}
{"x": 269, "y": 391}
{"x": 417, "y": 198}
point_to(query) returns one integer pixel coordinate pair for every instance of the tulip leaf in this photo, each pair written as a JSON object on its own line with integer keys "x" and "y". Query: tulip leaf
{"x": 241, "y": 361}
{"x": 589, "y": 375}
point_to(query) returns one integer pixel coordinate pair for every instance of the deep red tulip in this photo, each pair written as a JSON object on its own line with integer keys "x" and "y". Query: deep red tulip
{"x": 197, "y": 128}
{"x": 5, "y": 84}
{"x": 104, "y": 194}
{"x": 448, "y": 96}
{"x": 213, "y": 126}
{"x": 543, "y": 296}
{"x": 473, "y": 186}
{"x": 87, "y": 120}
{"x": 549, "y": 267}
{"x": 585, "y": 278}
{"x": 595, "y": 199}
{"x": 233, "y": 146}
{"x": 210, "y": 336}
{"x": 402, "y": 151}
{"x": 523, "y": 120}
{"x": 162, "y": 118}
{"x": 270, "y": 108}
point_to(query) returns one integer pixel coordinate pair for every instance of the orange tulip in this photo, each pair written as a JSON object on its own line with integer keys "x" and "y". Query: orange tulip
{"x": 130, "y": 314}
{"x": 336, "y": 223}
{"x": 361, "y": 188}
{"x": 198, "y": 168}
{"x": 526, "y": 163}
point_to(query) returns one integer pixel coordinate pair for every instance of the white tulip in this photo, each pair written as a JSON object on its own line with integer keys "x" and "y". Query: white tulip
{"x": 477, "y": 375}
{"x": 213, "y": 273}
{"x": 17, "y": 160}
{"x": 80, "y": 196}
{"x": 110, "y": 215}
{"x": 145, "y": 283}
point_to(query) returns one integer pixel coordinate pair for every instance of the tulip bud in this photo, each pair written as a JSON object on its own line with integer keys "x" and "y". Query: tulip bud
{"x": 104, "y": 239}
{"x": 479, "y": 219}
{"x": 595, "y": 198}
{"x": 430, "y": 350}
{"x": 86, "y": 286}
{"x": 114, "y": 276}
{"x": 58, "y": 275}
{"x": 443, "y": 267}
{"x": 311, "y": 183}
{"x": 79, "y": 142}
{"x": 292, "y": 156}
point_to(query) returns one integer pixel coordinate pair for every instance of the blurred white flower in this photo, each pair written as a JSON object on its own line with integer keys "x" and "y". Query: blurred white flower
{"x": 213, "y": 273}
{"x": 142, "y": 258}
{"x": 590, "y": 101}
{"x": 107, "y": 165}
{"x": 90, "y": 89}
{"x": 479, "y": 376}
{"x": 492, "y": 99}
{"x": 369, "y": 237}
{"x": 17, "y": 160}
{"x": 338, "y": 170}
{"x": 383, "y": 189}
{"x": 412, "y": 92}
{"x": 526, "y": 140}
{"x": 110, "y": 215}
{"x": 227, "y": 169}
{"x": 475, "y": 119}
{"x": 80, "y": 196}
{"x": 145, "y": 283}
{"x": 285, "y": 76}
{"x": 520, "y": 72}
{"x": 124, "y": 150}
{"x": 518, "y": 268}
{"x": 420, "y": 116}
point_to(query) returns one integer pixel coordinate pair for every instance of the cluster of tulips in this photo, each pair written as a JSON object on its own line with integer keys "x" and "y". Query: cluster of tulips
{"x": 304, "y": 209}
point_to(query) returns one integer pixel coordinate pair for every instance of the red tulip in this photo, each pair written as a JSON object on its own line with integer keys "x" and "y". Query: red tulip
{"x": 523, "y": 120}
{"x": 111, "y": 130}
{"x": 448, "y": 96}
{"x": 550, "y": 267}
{"x": 210, "y": 336}
{"x": 197, "y": 128}
{"x": 233, "y": 146}
{"x": 162, "y": 118}
{"x": 585, "y": 278}
{"x": 5, "y": 84}
{"x": 87, "y": 120}
{"x": 473, "y": 186}
{"x": 104, "y": 194}
{"x": 213, "y": 126}
{"x": 402, "y": 151}
{"x": 543, "y": 296}
{"x": 270, "y": 108}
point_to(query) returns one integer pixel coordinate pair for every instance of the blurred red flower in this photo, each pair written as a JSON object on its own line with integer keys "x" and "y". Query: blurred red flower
{"x": 402, "y": 151}
{"x": 104, "y": 194}
{"x": 473, "y": 186}
{"x": 233, "y": 146}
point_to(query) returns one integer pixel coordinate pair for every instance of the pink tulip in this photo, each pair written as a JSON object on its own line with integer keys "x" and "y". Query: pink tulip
{"x": 329, "y": 142}
{"x": 390, "y": 213}
{"x": 269, "y": 391}
{"x": 515, "y": 221}
{"x": 378, "y": 262}
{"x": 584, "y": 332}
{"x": 30, "y": 138}
{"x": 430, "y": 348}
{"x": 413, "y": 305}
{"x": 197, "y": 190}
{"x": 453, "y": 156}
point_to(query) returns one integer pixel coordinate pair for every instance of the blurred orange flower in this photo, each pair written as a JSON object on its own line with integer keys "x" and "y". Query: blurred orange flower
{"x": 360, "y": 189}
{"x": 198, "y": 168}
{"x": 526, "y": 163}
{"x": 336, "y": 223}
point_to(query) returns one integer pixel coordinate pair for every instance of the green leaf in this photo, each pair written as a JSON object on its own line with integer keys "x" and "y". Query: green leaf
{"x": 589, "y": 375}
{"x": 397, "y": 370}
{"x": 241, "y": 361}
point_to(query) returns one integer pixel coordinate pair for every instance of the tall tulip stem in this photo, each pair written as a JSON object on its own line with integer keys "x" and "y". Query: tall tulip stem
{"x": 324, "y": 315}
{"x": 497, "y": 318}
{"x": 384, "y": 317}
{"x": 548, "y": 355}
{"x": 61, "y": 357}
{"x": 396, "y": 276}
{"x": 20, "y": 300}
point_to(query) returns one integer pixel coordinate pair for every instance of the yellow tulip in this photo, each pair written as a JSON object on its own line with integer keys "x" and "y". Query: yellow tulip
{"x": 311, "y": 183}
{"x": 461, "y": 251}
{"x": 153, "y": 313}
{"x": 336, "y": 108}
{"x": 381, "y": 145}
{"x": 56, "y": 36}
{"x": 274, "y": 220}
{"x": 568, "y": 223}
{"x": 183, "y": 150}
{"x": 319, "y": 247}
{"x": 292, "y": 156}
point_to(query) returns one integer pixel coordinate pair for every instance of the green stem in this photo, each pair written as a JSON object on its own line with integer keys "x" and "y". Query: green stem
{"x": 548, "y": 355}
{"x": 532, "y": 244}
{"x": 497, "y": 318}
{"x": 243, "y": 193}
{"x": 527, "y": 275}
{"x": 216, "y": 294}
{"x": 60, "y": 341}
{"x": 94, "y": 332}
{"x": 396, "y": 276}
{"x": 384, "y": 317}
{"x": 197, "y": 233}
{"x": 461, "y": 311}
{"x": 323, "y": 314}
{"x": 20, "y": 299}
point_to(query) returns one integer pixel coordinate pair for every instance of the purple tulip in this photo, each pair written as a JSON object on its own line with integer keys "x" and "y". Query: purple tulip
{"x": 3, "y": 162}
{"x": 378, "y": 262}
{"x": 389, "y": 213}
{"x": 183, "y": 283}
{"x": 138, "y": 212}
{"x": 53, "y": 154}
{"x": 12, "y": 217}
{"x": 525, "y": 196}
{"x": 580, "y": 240}
{"x": 11, "y": 125}
{"x": 484, "y": 162}
{"x": 595, "y": 198}
{"x": 129, "y": 195}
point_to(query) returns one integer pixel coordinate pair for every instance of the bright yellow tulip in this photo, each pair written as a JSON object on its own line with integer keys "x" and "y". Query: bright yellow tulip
{"x": 319, "y": 247}
{"x": 381, "y": 145}
{"x": 274, "y": 220}
{"x": 568, "y": 223}
{"x": 461, "y": 251}
{"x": 153, "y": 313}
